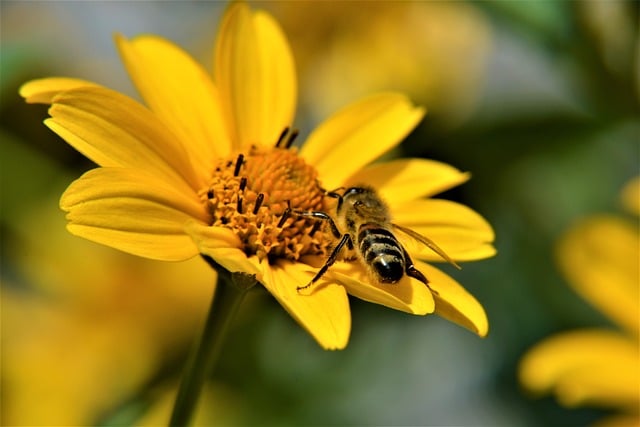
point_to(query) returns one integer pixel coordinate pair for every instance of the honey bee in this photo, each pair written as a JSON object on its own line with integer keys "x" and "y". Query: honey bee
{"x": 363, "y": 224}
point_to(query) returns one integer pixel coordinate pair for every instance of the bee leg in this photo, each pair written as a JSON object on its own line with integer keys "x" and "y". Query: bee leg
{"x": 288, "y": 212}
{"x": 412, "y": 271}
{"x": 346, "y": 239}
{"x": 336, "y": 195}
{"x": 321, "y": 216}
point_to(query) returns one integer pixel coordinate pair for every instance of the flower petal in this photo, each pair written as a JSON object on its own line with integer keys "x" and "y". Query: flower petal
{"x": 114, "y": 131}
{"x": 453, "y": 302}
{"x": 181, "y": 93}
{"x": 408, "y": 295}
{"x": 324, "y": 313}
{"x": 255, "y": 72}
{"x": 42, "y": 91}
{"x": 404, "y": 180}
{"x": 460, "y": 231}
{"x": 585, "y": 367}
{"x": 223, "y": 246}
{"x": 132, "y": 211}
{"x": 600, "y": 257}
{"x": 359, "y": 134}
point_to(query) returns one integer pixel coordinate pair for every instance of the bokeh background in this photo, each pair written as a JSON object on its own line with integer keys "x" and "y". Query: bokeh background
{"x": 538, "y": 100}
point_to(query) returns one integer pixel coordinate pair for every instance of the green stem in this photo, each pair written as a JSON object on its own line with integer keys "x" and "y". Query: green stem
{"x": 229, "y": 293}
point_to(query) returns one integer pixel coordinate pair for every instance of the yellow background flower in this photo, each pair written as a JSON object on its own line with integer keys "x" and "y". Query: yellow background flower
{"x": 101, "y": 327}
{"x": 600, "y": 367}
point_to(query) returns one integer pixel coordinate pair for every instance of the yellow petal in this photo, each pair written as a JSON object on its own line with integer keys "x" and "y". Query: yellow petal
{"x": 404, "y": 180}
{"x": 132, "y": 211}
{"x": 458, "y": 230}
{"x": 359, "y": 134}
{"x": 181, "y": 93}
{"x": 114, "y": 131}
{"x": 109, "y": 183}
{"x": 631, "y": 196}
{"x": 254, "y": 70}
{"x": 42, "y": 91}
{"x": 599, "y": 257}
{"x": 585, "y": 367}
{"x": 408, "y": 295}
{"x": 223, "y": 246}
{"x": 324, "y": 313}
{"x": 453, "y": 302}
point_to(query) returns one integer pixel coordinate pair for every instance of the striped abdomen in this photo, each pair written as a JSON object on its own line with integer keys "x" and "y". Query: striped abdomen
{"x": 382, "y": 252}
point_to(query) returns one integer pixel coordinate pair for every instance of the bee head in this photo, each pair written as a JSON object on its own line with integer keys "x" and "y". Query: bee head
{"x": 364, "y": 201}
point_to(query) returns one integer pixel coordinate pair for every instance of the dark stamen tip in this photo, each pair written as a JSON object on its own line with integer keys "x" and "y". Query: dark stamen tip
{"x": 239, "y": 163}
{"x": 315, "y": 228}
{"x": 291, "y": 137}
{"x": 259, "y": 201}
{"x": 284, "y": 132}
{"x": 284, "y": 217}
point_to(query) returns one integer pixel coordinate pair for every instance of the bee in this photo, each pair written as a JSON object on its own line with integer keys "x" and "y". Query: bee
{"x": 362, "y": 223}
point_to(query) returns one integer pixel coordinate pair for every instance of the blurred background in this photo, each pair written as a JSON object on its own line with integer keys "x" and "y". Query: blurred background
{"x": 538, "y": 100}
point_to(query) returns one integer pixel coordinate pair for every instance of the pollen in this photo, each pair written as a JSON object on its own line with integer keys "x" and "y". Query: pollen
{"x": 256, "y": 194}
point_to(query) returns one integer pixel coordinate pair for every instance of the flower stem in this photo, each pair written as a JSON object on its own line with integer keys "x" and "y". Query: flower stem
{"x": 229, "y": 293}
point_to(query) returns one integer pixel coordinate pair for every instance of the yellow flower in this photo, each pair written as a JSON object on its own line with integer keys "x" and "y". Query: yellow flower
{"x": 198, "y": 171}
{"x": 599, "y": 257}
{"x": 98, "y": 326}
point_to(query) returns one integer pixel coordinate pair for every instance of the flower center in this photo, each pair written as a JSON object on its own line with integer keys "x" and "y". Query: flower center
{"x": 249, "y": 194}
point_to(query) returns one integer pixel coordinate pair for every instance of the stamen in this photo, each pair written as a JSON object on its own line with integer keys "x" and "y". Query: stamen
{"x": 239, "y": 162}
{"x": 243, "y": 185}
{"x": 290, "y": 138}
{"x": 284, "y": 132}
{"x": 259, "y": 201}
{"x": 285, "y": 216}
{"x": 316, "y": 227}
{"x": 255, "y": 193}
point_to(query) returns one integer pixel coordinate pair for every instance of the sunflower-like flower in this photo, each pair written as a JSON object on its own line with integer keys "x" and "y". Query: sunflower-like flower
{"x": 597, "y": 366}
{"x": 207, "y": 167}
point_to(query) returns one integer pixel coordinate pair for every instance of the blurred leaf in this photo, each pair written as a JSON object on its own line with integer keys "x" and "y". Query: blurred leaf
{"x": 26, "y": 178}
{"x": 539, "y": 19}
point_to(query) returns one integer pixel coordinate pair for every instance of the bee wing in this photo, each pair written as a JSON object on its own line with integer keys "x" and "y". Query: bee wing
{"x": 428, "y": 243}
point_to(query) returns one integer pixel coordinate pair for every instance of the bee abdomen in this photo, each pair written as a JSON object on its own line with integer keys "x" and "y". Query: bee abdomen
{"x": 382, "y": 252}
